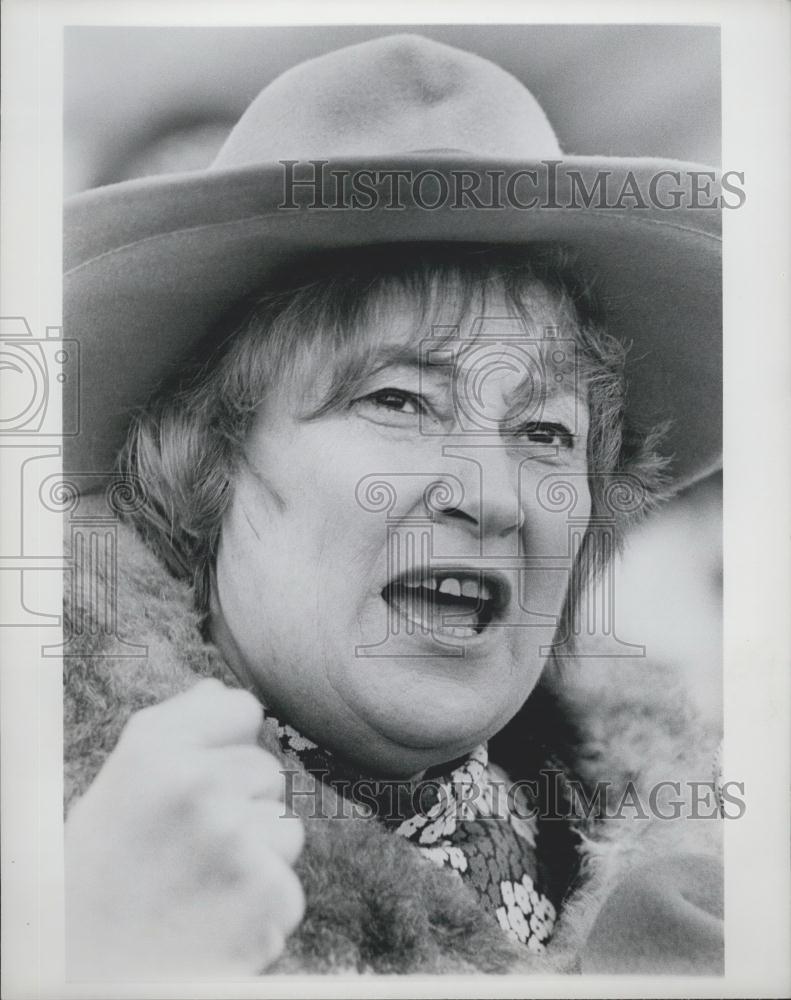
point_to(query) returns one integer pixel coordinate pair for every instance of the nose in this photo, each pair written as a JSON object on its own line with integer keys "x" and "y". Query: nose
{"x": 490, "y": 506}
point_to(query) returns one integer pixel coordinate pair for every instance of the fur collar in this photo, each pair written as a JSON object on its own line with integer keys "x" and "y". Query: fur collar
{"x": 373, "y": 903}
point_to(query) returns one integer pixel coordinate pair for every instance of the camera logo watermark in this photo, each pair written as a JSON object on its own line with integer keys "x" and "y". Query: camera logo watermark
{"x": 91, "y": 613}
{"x": 36, "y": 373}
{"x": 479, "y": 442}
{"x": 31, "y": 366}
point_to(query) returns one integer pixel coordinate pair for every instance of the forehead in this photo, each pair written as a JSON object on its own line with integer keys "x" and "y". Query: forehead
{"x": 440, "y": 322}
{"x": 534, "y": 341}
{"x": 479, "y": 310}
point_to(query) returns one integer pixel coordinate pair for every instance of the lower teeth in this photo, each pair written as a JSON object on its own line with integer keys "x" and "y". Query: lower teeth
{"x": 426, "y": 617}
{"x": 459, "y": 631}
{"x": 453, "y": 631}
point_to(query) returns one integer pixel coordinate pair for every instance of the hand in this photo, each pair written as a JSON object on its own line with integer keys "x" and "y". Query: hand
{"x": 178, "y": 858}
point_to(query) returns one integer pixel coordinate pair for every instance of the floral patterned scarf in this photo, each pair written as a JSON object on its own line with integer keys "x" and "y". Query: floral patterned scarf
{"x": 460, "y": 818}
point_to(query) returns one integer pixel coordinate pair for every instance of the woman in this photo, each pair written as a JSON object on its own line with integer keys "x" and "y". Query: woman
{"x": 461, "y": 366}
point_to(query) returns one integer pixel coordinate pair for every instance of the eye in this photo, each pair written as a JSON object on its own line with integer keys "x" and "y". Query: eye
{"x": 548, "y": 434}
{"x": 395, "y": 400}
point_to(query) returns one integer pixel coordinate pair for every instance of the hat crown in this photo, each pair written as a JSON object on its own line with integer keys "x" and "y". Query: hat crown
{"x": 393, "y": 95}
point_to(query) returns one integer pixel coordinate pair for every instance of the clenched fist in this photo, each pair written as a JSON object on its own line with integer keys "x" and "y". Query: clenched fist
{"x": 178, "y": 857}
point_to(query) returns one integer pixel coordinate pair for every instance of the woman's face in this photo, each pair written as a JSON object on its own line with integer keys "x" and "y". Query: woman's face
{"x": 401, "y": 627}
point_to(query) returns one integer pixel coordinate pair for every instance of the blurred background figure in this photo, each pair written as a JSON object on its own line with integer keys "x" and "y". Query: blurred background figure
{"x": 660, "y": 628}
{"x": 144, "y": 101}
{"x": 668, "y": 588}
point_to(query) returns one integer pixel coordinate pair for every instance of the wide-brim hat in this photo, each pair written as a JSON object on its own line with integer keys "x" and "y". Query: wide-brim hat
{"x": 396, "y": 140}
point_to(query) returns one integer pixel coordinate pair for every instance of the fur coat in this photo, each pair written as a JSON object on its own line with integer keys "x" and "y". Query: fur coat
{"x": 373, "y": 903}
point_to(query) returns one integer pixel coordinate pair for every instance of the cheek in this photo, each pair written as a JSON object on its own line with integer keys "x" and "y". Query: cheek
{"x": 291, "y": 575}
{"x": 236, "y": 586}
{"x": 252, "y": 566}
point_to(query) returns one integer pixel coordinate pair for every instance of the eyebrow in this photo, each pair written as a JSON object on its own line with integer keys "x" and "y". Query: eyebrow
{"x": 406, "y": 356}
{"x": 409, "y": 356}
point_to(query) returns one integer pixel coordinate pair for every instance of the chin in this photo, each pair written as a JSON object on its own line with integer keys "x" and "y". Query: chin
{"x": 441, "y": 734}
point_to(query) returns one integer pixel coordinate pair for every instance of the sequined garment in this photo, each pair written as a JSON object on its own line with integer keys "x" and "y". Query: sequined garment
{"x": 460, "y": 819}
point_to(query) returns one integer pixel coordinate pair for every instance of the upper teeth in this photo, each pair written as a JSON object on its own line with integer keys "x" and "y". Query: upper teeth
{"x": 454, "y": 586}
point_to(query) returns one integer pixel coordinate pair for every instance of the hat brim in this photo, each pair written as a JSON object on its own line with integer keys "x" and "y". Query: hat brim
{"x": 151, "y": 265}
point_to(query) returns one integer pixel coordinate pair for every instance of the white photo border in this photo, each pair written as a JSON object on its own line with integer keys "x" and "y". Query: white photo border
{"x": 757, "y": 488}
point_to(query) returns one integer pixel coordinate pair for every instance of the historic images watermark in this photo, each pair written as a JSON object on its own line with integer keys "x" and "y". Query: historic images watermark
{"x": 550, "y": 795}
{"x": 548, "y": 185}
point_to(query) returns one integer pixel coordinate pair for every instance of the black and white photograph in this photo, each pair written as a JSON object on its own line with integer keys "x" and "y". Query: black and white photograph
{"x": 382, "y": 427}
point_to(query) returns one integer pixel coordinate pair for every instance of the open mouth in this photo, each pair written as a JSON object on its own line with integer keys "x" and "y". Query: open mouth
{"x": 456, "y": 603}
